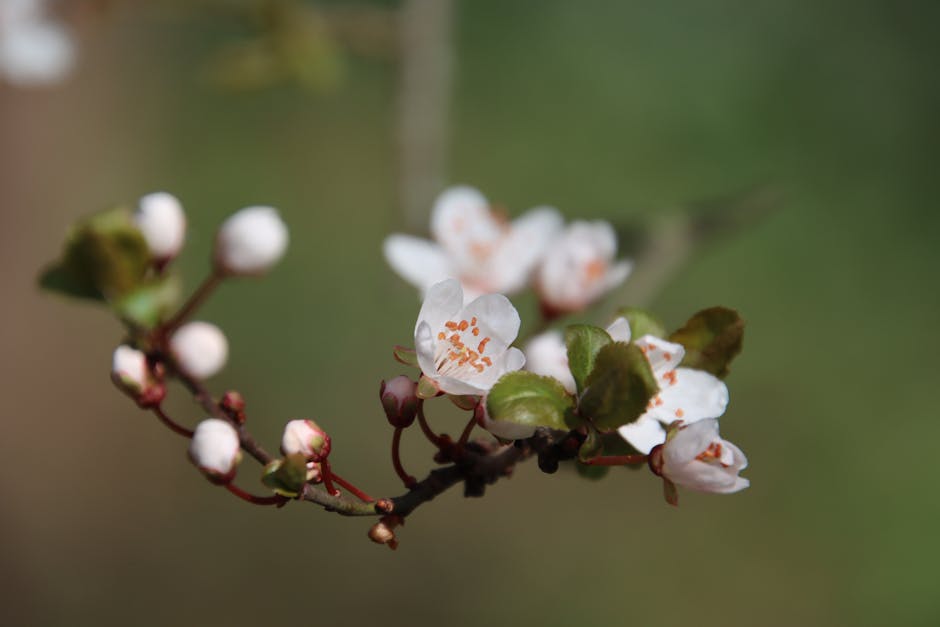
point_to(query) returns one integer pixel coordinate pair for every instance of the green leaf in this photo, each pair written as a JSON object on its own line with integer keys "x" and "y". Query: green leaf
{"x": 105, "y": 257}
{"x": 642, "y": 322}
{"x": 583, "y": 342}
{"x": 712, "y": 338}
{"x": 592, "y": 445}
{"x": 528, "y": 399}
{"x": 619, "y": 388}
{"x": 286, "y": 476}
{"x": 148, "y": 305}
{"x": 405, "y": 356}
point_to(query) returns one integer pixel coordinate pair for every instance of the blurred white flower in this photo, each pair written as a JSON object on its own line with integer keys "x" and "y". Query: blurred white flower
{"x": 696, "y": 457}
{"x": 466, "y": 349}
{"x": 215, "y": 449}
{"x": 250, "y": 241}
{"x": 307, "y": 438}
{"x": 35, "y": 49}
{"x": 579, "y": 267}
{"x": 684, "y": 394}
{"x": 129, "y": 369}
{"x": 161, "y": 220}
{"x": 486, "y": 252}
{"x": 547, "y": 355}
{"x": 199, "y": 349}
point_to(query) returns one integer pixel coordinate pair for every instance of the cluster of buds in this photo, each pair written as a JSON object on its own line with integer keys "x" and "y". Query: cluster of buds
{"x": 569, "y": 267}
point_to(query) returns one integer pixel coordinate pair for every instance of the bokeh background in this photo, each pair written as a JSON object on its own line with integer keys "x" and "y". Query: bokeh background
{"x": 608, "y": 110}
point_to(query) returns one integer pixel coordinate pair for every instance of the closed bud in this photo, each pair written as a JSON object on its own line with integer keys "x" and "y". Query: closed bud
{"x": 306, "y": 438}
{"x": 250, "y": 241}
{"x": 131, "y": 373}
{"x": 233, "y": 404}
{"x": 383, "y": 532}
{"x": 399, "y": 400}
{"x": 161, "y": 220}
{"x": 200, "y": 349}
{"x": 215, "y": 449}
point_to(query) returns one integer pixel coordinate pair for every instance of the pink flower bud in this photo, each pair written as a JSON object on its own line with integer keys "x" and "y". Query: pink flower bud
{"x": 400, "y": 401}
{"x": 215, "y": 449}
{"x": 307, "y": 438}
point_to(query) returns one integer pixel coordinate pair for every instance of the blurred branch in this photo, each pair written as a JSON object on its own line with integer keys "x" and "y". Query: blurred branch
{"x": 673, "y": 239}
{"x": 425, "y": 84}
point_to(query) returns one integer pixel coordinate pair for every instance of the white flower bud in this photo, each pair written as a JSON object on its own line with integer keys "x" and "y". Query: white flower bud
{"x": 129, "y": 369}
{"x": 199, "y": 348}
{"x": 215, "y": 449}
{"x": 307, "y": 438}
{"x": 160, "y": 218}
{"x": 696, "y": 457}
{"x": 250, "y": 241}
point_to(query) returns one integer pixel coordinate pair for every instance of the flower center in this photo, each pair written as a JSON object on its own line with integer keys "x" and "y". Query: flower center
{"x": 715, "y": 453}
{"x": 455, "y": 354}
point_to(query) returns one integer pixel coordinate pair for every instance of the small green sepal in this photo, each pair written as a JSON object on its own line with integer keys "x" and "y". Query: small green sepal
{"x": 286, "y": 476}
{"x": 405, "y": 356}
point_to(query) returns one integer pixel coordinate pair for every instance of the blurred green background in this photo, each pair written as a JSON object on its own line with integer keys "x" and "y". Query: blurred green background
{"x": 604, "y": 109}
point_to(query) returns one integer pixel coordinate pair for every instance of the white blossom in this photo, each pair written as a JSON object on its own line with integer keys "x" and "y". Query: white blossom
{"x": 35, "y": 49}
{"x": 250, "y": 241}
{"x": 215, "y": 449}
{"x": 466, "y": 349}
{"x": 473, "y": 243}
{"x": 684, "y": 394}
{"x": 199, "y": 349}
{"x": 307, "y": 438}
{"x": 579, "y": 267}
{"x": 161, "y": 220}
{"x": 696, "y": 457}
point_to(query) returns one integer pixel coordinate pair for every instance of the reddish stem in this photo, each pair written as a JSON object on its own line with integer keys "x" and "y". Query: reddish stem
{"x": 171, "y": 424}
{"x": 190, "y": 306}
{"x": 408, "y": 480}
{"x": 432, "y": 437}
{"x": 362, "y": 496}
{"x": 274, "y": 499}
{"x": 327, "y": 474}
{"x": 615, "y": 460}
{"x": 465, "y": 436}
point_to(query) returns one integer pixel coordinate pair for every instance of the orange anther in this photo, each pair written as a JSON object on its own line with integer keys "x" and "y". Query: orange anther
{"x": 659, "y": 401}
{"x": 670, "y": 377}
{"x": 595, "y": 269}
{"x": 441, "y": 335}
{"x": 667, "y": 356}
{"x": 473, "y": 321}
{"x": 482, "y": 346}
{"x": 487, "y": 361}
{"x": 680, "y": 413}
{"x": 476, "y": 331}
{"x": 455, "y": 339}
{"x": 451, "y": 325}
{"x": 463, "y": 325}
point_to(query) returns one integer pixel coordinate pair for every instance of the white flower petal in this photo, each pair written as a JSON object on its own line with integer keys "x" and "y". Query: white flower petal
{"x": 689, "y": 442}
{"x": 442, "y": 302}
{"x": 419, "y": 261}
{"x": 705, "y": 477}
{"x": 496, "y": 318}
{"x": 518, "y": 253}
{"x": 690, "y": 395}
{"x": 425, "y": 348}
{"x": 617, "y": 274}
{"x": 643, "y": 434}
{"x": 547, "y": 355}
{"x": 453, "y": 385}
{"x": 664, "y": 357}
{"x": 619, "y": 330}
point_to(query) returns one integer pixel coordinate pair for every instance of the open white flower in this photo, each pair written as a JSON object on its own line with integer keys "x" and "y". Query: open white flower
{"x": 215, "y": 449}
{"x": 35, "y": 50}
{"x": 487, "y": 253}
{"x": 580, "y": 267}
{"x": 161, "y": 220}
{"x": 199, "y": 348}
{"x": 466, "y": 349}
{"x": 250, "y": 241}
{"x": 684, "y": 394}
{"x": 697, "y": 458}
{"x": 547, "y": 355}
